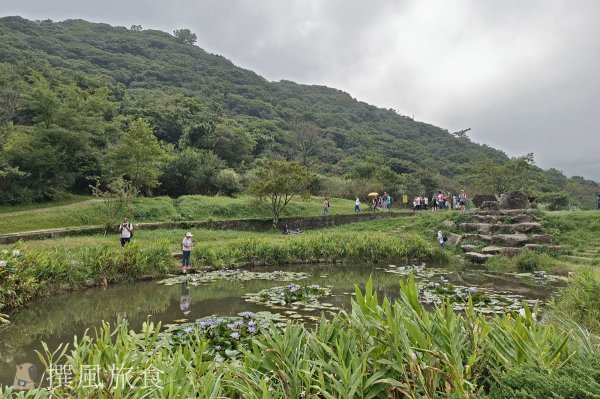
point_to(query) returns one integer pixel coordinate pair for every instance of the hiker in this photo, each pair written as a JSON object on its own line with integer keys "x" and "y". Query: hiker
{"x": 462, "y": 200}
{"x": 387, "y": 201}
{"x": 441, "y": 201}
{"x": 326, "y": 206}
{"x": 434, "y": 202}
{"x": 186, "y": 249}
{"x": 126, "y": 230}
{"x": 441, "y": 238}
{"x": 357, "y": 205}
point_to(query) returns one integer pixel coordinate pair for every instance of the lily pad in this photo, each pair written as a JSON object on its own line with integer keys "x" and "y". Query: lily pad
{"x": 233, "y": 275}
{"x": 292, "y": 296}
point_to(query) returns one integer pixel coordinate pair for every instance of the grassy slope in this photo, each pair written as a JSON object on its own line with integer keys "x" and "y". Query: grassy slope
{"x": 423, "y": 224}
{"x": 90, "y": 212}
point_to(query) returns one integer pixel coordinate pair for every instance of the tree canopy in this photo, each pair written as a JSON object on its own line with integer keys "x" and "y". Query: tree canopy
{"x": 72, "y": 93}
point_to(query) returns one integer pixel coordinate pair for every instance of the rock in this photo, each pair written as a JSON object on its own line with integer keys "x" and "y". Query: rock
{"x": 490, "y": 205}
{"x": 454, "y": 239}
{"x": 479, "y": 199}
{"x": 485, "y": 218}
{"x": 477, "y": 237}
{"x": 541, "y": 239}
{"x": 532, "y": 247}
{"x": 528, "y": 227}
{"x": 477, "y": 257}
{"x": 504, "y": 229}
{"x": 514, "y": 200}
{"x": 90, "y": 282}
{"x": 65, "y": 287}
{"x": 120, "y": 278}
{"x": 511, "y": 251}
{"x": 468, "y": 247}
{"x": 491, "y": 250}
{"x": 449, "y": 223}
{"x": 509, "y": 240}
{"x": 483, "y": 228}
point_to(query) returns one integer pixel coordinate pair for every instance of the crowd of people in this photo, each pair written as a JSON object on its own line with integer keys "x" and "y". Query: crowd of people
{"x": 440, "y": 201}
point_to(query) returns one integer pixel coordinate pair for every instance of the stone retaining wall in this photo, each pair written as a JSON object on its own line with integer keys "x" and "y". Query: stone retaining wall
{"x": 259, "y": 224}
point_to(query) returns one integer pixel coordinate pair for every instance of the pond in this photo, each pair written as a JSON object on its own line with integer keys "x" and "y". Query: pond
{"x": 57, "y": 319}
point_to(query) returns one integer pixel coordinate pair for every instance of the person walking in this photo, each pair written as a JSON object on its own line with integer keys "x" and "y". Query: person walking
{"x": 326, "y": 206}
{"x": 186, "y": 249}
{"x": 357, "y": 205}
{"x": 440, "y": 237}
{"x": 462, "y": 200}
{"x": 126, "y": 230}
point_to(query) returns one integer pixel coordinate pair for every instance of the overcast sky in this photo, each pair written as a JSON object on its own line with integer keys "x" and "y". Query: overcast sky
{"x": 523, "y": 75}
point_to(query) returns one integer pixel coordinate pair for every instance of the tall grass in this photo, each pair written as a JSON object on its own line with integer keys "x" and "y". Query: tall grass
{"x": 579, "y": 301}
{"x": 332, "y": 246}
{"x": 377, "y": 350}
{"x": 25, "y": 275}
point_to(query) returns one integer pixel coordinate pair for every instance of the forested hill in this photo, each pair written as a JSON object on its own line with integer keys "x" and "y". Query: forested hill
{"x": 72, "y": 90}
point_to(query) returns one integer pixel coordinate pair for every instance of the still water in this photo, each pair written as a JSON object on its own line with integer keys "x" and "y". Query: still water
{"x": 58, "y": 319}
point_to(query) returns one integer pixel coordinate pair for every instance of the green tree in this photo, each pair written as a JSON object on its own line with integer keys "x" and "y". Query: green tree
{"x": 185, "y": 36}
{"x": 116, "y": 200}
{"x": 278, "y": 182}
{"x": 192, "y": 171}
{"x": 497, "y": 178}
{"x": 137, "y": 157}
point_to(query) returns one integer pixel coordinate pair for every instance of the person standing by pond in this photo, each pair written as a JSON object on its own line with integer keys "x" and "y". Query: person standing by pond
{"x": 126, "y": 230}
{"x": 186, "y": 249}
{"x": 357, "y": 205}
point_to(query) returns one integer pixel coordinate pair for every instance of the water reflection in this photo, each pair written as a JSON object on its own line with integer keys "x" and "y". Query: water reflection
{"x": 57, "y": 319}
{"x": 186, "y": 299}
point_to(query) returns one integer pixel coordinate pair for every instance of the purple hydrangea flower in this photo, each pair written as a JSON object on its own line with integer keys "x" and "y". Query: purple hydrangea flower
{"x": 247, "y": 314}
{"x": 251, "y": 329}
{"x": 234, "y": 335}
{"x": 188, "y": 329}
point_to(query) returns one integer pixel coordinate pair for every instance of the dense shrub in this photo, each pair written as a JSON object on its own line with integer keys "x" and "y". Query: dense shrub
{"x": 578, "y": 379}
{"x": 556, "y": 201}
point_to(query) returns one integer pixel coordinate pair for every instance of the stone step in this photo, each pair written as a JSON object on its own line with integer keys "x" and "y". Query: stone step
{"x": 468, "y": 247}
{"x": 476, "y": 257}
{"x": 527, "y": 227}
{"x": 509, "y": 240}
{"x": 476, "y": 237}
{"x": 506, "y": 251}
{"x": 483, "y": 228}
{"x": 507, "y": 212}
{"x": 494, "y": 219}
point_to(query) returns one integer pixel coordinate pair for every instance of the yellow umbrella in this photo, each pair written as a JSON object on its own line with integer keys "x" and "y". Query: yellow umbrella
{"x": 373, "y": 194}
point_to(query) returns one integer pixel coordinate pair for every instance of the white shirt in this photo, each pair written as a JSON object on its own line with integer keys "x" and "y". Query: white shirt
{"x": 440, "y": 236}
{"x": 126, "y": 230}
{"x": 186, "y": 244}
{"x": 357, "y": 202}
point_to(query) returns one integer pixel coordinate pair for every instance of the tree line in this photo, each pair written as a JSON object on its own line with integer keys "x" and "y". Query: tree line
{"x": 84, "y": 103}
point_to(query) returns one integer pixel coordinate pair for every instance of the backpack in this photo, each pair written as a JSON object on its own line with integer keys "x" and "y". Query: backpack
{"x": 444, "y": 237}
